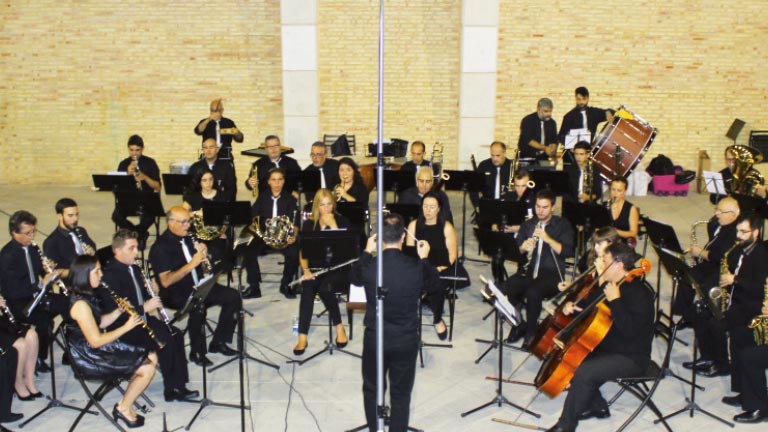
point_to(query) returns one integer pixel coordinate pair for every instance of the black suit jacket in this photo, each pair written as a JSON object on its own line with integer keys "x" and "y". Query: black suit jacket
{"x": 488, "y": 170}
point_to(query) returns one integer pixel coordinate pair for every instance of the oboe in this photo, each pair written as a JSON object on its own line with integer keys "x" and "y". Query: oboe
{"x": 163, "y": 314}
{"x": 125, "y": 305}
{"x": 49, "y": 269}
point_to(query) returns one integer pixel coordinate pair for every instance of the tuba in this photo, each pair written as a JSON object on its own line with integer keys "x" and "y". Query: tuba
{"x": 277, "y": 231}
{"x": 745, "y": 178}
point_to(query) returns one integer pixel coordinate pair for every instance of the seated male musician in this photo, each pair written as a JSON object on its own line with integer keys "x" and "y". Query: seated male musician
{"x": 417, "y": 158}
{"x": 147, "y": 175}
{"x": 328, "y": 169}
{"x": 277, "y": 202}
{"x": 581, "y": 191}
{"x": 732, "y": 162}
{"x": 754, "y": 390}
{"x": 625, "y": 350}
{"x": 176, "y": 261}
{"x": 496, "y": 172}
{"x": 223, "y": 170}
{"x": 69, "y": 239}
{"x": 126, "y": 280}
{"x": 274, "y": 159}
{"x": 548, "y": 239}
{"x": 721, "y": 231}
{"x": 425, "y": 181}
{"x": 22, "y": 275}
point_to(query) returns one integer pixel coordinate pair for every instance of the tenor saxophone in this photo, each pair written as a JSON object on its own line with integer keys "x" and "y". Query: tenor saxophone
{"x": 125, "y": 305}
{"x": 694, "y": 238}
{"x": 759, "y": 324}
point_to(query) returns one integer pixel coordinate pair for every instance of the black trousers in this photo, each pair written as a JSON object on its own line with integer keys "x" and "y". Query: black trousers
{"x": 172, "y": 357}
{"x": 584, "y": 392}
{"x": 741, "y": 338}
{"x": 399, "y": 368}
{"x": 753, "y": 361}
{"x": 8, "y": 362}
{"x": 42, "y": 317}
{"x": 145, "y": 221}
{"x": 533, "y": 291}
{"x": 712, "y": 339}
{"x": 230, "y": 303}
{"x": 325, "y": 285}
{"x": 252, "y": 252}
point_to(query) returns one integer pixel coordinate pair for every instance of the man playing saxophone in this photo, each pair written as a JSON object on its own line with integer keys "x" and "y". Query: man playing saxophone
{"x": 69, "y": 239}
{"x": 754, "y": 390}
{"x": 584, "y": 177}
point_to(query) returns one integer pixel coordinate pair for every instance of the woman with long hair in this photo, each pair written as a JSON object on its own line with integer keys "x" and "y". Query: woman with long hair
{"x": 100, "y": 354}
{"x": 202, "y": 188}
{"x": 351, "y": 187}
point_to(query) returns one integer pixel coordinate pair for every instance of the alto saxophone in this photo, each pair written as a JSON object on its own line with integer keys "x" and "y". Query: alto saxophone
{"x": 720, "y": 295}
{"x": 125, "y": 305}
{"x": 49, "y": 268}
{"x": 759, "y": 324}
{"x": 694, "y": 239}
{"x": 163, "y": 313}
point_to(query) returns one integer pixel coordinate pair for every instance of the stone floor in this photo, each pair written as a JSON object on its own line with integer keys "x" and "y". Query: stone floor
{"x": 325, "y": 394}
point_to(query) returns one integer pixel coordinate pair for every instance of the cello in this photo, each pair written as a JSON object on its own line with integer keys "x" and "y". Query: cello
{"x": 588, "y": 330}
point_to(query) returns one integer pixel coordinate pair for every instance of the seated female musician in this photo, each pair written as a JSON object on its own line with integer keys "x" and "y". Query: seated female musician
{"x": 351, "y": 187}
{"x": 432, "y": 227}
{"x": 24, "y": 339}
{"x": 323, "y": 217}
{"x": 601, "y": 238}
{"x": 201, "y": 189}
{"x": 626, "y": 348}
{"x": 106, "y": 356}
{"x": 625, "y": 216}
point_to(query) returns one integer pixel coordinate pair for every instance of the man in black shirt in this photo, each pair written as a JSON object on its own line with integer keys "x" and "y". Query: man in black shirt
{"x": 496, "y": 172}
{"x": 548, "y": 239}
{"x": 147, "y": 175}
{"x": 424, "y": 183}
{"x": 582, "y": 116}
{"x": 754, "y": 391}
{"x": 176, "y": 260}
{"x": 221, "y": 129}
{"x": 583, "y": 190}
{"x": 405, "y": 279}
{"x": 69, "y": 239}
{"x": 327, "y": 169}
{"x": 22, "y": 276}
{"x": 223, "y": 170}
{"x": 417, "y": 158}
{"x": 126, "y": 279}
{"x": 277, "y": 202}
{"x": 624, "y": 351}
{"x": 538, "y": 132}
{"x": 274, "y": 159}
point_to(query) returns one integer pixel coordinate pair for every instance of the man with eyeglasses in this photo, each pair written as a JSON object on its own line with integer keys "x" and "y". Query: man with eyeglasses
{"x": 727, "y": 173}
{"x": 176, "y": 261}
{"x": 721, "y": 234}
{"x": 424, "y": 183}
{"x": 219, "y": 128}
{"x": 274, "y": 159}
{"x": 417, "y": 158}
{"x": 327, "y": 169}
{"x": 22, "y": 275}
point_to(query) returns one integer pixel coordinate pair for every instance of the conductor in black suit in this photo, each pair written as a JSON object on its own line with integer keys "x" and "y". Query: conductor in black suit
{"x": 405, "y": 279}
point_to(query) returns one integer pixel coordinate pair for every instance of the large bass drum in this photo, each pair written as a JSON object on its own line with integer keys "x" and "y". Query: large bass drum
{"x": 620, "y": 146}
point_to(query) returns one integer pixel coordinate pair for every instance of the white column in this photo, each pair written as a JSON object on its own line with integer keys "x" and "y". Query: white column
{"x": 477, "y": 92}
{"x": 301, "y": 107}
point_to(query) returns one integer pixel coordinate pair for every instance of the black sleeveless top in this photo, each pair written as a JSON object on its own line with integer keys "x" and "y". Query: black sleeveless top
{"x": 435, "y": 236}
{"x": 622, "y": 222}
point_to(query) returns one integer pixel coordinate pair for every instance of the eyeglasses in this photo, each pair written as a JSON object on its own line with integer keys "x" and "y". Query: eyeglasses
{"x": 316, "y": 154}
{"x": 29, "y": 233}
{"x": 181, "y": 222}
{"x": 718, "y": 211}
{"x": 273, "y": 146}
{"x": 741, "y": 231}
{"x": 430, "y": 181}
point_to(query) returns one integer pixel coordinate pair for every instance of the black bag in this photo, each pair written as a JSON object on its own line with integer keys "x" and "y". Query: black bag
{"x": 660, "y": 165}
{"x": 340, "y": 147}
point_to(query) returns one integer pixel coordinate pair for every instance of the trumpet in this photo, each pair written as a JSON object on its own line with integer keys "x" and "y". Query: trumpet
{"x": 87, "y": 249}
{"x": 586, "y": 182}
{"x": 253, "y": 173}
{"x": 125, "y": 305}
{"x": 207, "y": 266}
{"x": 49, "y": 268}
{"x": 137, "y": 172}
{"x": 436, "y": 162}
{"x": 338, "y": 192}
{"x": 161, "y": 311}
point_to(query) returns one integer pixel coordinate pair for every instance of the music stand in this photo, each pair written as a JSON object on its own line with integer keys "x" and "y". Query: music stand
{"x": 140, "y": 203}
{"x": 750, "y": 204}
{"x": 398, "y": 181}
{"x": 357, "y": 213}
{"x": 110, "y": 182}
{"x": 464, "y": 181}
{"x": 175, "y": 184}
{"x": 504, "y": 311}
{"x": 409, "y": 212}
{"x": 681, "y": 273}
{"x": 324, "y": 250}
{"x": 588, "y": 215}
{"x": 556, "y": 181}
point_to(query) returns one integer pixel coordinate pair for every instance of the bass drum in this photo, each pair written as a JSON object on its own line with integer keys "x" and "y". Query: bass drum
{"x": 620, "y": 146}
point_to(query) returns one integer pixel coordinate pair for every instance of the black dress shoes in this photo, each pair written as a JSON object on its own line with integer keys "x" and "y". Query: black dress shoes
{"x": 732, "y": 400}
{"x": 287, "y": 292}
{"x": 714, "y": 371}
{"x": 516, "y": 333}
{"x": 180, "y": 394}
{"x": 200, "y": 359}
{"x": 698, "y": 364}
{"x": 602, "y": 413}
{"x": 42, "y": 366}
{"x": 252, "y": 292}
{"x": 12, "y": 417}
{"x": 755, "y": 416}
{"x": 221, "y": 348}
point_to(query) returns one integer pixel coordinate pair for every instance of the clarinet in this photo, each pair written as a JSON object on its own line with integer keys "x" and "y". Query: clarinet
{"x": 125, "y": 305}
{"x": 49, "y": 269}
{"x": 163, "y": 313}
{"x": 87, "y": 249}
{"x": 19, "y": 330}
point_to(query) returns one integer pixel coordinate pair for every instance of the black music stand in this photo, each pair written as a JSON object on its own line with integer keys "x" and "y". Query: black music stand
{"x": 464, "y": 181}
{"x": 140, "y": 203}
{"x": 357, "y": 213}
{"x": 262, "y": 151}
{"x": 502, "y": 214}
{"x": 397, "y": 181}
{"x": 323, "y": 250}
{"x": 588, "y": 215}
{"x": 108, "y": 182}
{"x": 409, "y": 212}
{"x": 557, "y": 181}
{"x": 681, "y": 272}
{"x": 176, "y": 184}
{"x": 504, "y": 311}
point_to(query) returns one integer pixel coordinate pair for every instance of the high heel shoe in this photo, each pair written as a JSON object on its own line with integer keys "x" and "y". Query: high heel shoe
{"x": 117, "y": 415}
{"x": 299, "y": 352}
{"x": 36, "y": 394}
{"x": 341, "y": 344}
{"x": 29, "y": 397}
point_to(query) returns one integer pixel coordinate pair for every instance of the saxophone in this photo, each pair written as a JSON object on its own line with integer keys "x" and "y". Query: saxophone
{"x": 759, "y": 324}
{"x": 255, "y": 190}
{"x": 49, "y": 268}
{"x": 694, "y": 239}
{"x": 720, "y": 295}
{"x": 125, "y": 305}
{"x": 586, "y": 182}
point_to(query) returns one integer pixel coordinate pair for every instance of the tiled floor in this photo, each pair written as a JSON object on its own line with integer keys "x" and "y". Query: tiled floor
{"x": 325, "y": 394}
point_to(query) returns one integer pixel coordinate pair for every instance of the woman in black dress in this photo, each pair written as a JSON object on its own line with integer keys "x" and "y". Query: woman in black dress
{"x": 625, "y": 216}
{"x": 24, "y": 340}
{"x": 98, "y": 354}
{"x": 432, "y": 227}
{"x": 351, "y": 187}
{"x": 201, "y": 189}
{"x": 324, "y": 217}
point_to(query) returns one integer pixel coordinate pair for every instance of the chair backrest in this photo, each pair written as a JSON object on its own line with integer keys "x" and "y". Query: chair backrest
{"x": 329, "y": 140}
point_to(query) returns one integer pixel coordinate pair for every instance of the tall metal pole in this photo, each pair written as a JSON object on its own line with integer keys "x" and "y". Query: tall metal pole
{"x": 380, "y": 408}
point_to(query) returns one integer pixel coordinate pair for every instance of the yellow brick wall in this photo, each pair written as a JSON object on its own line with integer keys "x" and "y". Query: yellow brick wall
{"x": 422, "y": 55}
{"x": 688, "y": 67}
{"x": 78, "y": 78}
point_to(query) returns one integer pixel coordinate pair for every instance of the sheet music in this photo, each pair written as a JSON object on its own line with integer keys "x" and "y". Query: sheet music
{"x": 714, "y": 182}
{"x": 501, "y": 304}
{"x": 576, "y": 135}
{"x": 117, "y": 173}
{"x": 357, "y": 294}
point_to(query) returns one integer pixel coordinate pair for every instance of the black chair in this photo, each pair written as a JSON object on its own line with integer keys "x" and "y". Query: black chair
{"x": 643, "y": 387}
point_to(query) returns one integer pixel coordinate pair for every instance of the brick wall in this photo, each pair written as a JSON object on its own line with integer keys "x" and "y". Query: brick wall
{"x": 689, "y": 68}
